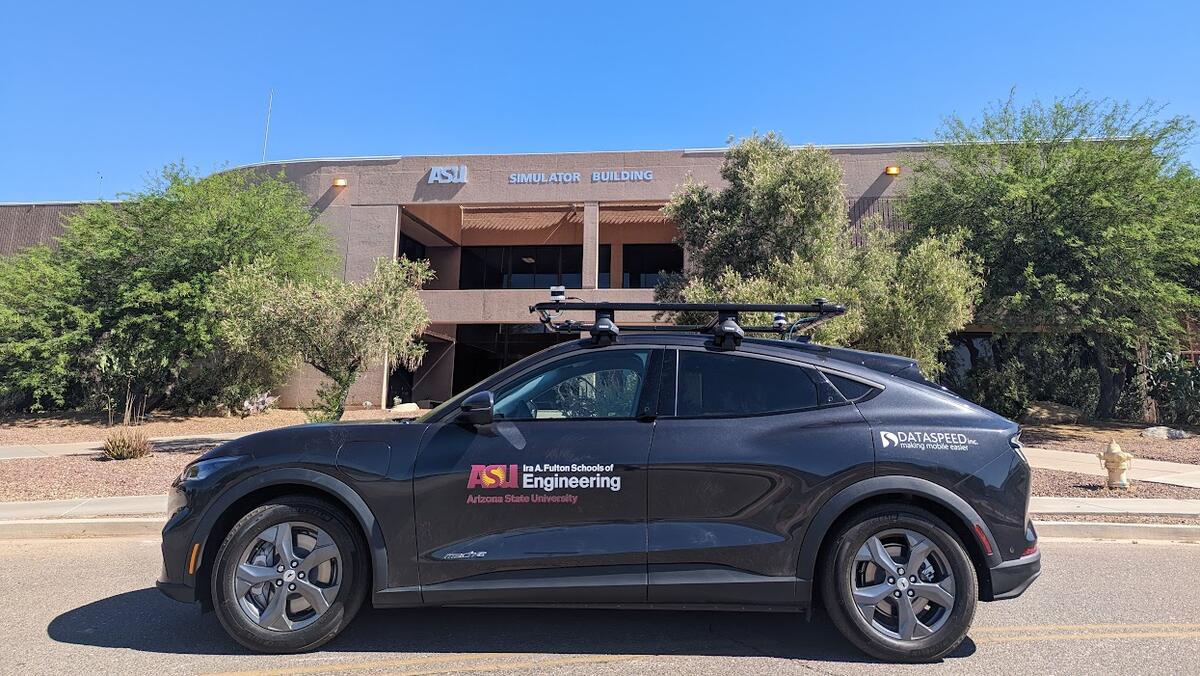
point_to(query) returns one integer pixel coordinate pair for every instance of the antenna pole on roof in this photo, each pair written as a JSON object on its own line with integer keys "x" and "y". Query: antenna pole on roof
{"x": 267, "y": 130}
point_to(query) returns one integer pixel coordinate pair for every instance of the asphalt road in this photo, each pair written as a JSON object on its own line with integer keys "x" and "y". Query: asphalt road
{"x": 88, "y": 606}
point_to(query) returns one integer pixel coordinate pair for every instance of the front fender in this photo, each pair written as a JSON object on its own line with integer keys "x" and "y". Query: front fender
{"x": 303, "y": 477}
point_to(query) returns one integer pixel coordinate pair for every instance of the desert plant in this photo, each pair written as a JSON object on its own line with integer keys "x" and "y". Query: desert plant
{"x": 1175, "y": 387}
{"x": 1083, "y": 214}
{"x": 127, "y": 443}
{"x": 339, "y": 328}
{"x": 256, "y": 404}
{"x": 779, "y": 233}
{"x": 118, "y": 313}
{"x": 1004, "y": 390}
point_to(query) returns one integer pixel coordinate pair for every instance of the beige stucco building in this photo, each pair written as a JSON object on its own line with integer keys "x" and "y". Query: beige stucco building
{"x": 498, "y": 230}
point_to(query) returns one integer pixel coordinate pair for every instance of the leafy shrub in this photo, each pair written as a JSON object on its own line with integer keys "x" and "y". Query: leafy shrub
{"x": 1034, "y": 367}
{"x": 1175, "y": 387}
{"x": 1003, "y": 390}
{"x": 1056, "y": 370}
{"x": 127, "y": 443}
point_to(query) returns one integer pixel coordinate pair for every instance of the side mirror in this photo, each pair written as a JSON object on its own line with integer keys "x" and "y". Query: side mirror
{"x": 477, "y": 408}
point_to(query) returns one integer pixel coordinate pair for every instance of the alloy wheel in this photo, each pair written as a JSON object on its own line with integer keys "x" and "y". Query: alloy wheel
{"x": 902, "y": 585}
{"x": 288, "y": 576}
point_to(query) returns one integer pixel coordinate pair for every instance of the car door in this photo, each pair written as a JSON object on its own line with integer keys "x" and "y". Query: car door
{"x": 547, "y": 504}
{"x": 742, "y": 456}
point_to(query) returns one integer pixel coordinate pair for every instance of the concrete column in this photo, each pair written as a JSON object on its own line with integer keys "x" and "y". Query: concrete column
{"x": 591, "y": 245}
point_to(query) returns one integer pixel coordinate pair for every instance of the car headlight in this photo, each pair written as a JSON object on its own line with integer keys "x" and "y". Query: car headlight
{"x": 203, "y": 468}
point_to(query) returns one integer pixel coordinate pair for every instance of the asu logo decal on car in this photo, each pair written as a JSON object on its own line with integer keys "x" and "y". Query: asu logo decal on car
{"x": 493, "y": 476}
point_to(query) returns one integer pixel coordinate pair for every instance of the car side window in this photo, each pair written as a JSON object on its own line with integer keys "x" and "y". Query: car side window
{"x": 721, "y": 384}
{"x": 596, "y": 384}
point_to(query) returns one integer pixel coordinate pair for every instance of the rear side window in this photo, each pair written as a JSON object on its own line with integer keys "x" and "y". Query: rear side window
{"x": 850, "y": 389}
{"x": 717, "y": 384}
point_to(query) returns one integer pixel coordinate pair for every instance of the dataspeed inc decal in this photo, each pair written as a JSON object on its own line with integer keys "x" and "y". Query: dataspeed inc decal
{"x": 538, "y": 484}
{"x": 918, "y": 440}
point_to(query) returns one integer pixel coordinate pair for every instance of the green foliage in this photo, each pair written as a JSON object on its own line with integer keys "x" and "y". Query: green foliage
{"x": 338, "y": 328}
{"x": 1175, "y": 387}
{"x": 902, "y": 297}
{"x": 1082, "y": 215}
{"x": 127, "y": 443}
{"x": 1033, "y": 367}
{"x": 780, "y": 202}
{"x": 120, "y": 315}
{"x": 1003, "y": 390}
{"x": 44, "y": 332}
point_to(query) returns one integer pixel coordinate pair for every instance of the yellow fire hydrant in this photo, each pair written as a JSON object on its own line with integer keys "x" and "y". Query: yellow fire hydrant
{"x": 1117, "y": 462}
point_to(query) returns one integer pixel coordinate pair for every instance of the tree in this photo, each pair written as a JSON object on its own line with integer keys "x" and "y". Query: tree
{"x": 780, "y": 202}
{"x": 902, "y": 296}
{"x": 1082, "y": 215}
{"x": 122, "y": 306}
{"x": 336, "y": 327}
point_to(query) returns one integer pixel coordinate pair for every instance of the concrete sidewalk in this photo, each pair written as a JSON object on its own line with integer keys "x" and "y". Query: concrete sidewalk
{"x": 90, "y": 447}
{"x": 1175, "y": 473}
{"x": 1157, "y": 506}
{"x": 135, "y": 505}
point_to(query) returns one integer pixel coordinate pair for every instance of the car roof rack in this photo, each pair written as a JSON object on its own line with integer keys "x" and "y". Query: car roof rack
{"x": 727, "y": 333}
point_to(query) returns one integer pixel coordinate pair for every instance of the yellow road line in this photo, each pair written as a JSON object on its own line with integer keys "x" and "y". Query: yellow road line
{"x": 333, "y": 667}
{"x": 1091, "y": 636}
{"x": 1080, "y": 627}
{"x": 528, "y": 664}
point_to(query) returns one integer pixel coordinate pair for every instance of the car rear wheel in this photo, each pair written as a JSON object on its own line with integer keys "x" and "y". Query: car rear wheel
{"x": 289, "y": 576}
{"x": 898, "y": 584}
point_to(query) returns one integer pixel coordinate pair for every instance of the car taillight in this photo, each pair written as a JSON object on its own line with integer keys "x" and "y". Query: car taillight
{"x": 1030, "y": 550}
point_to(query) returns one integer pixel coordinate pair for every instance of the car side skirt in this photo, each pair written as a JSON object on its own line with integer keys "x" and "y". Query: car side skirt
{"x": 705, "y": 587}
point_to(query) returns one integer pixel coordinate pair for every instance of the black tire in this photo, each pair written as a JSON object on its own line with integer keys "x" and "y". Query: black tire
{"x": 342, "y": 608}
{"x": 839, "y": 567}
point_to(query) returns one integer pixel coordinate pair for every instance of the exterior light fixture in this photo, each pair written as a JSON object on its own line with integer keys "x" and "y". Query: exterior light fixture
{"x": 892, "y": 170}
{"x": 340, "y": 183}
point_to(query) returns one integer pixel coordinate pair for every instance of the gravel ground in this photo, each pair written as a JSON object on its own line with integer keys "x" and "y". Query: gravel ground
{"x": 1053, "y": 483}
{"x": 58, "y": 428}
{"x": 1120, "y": 518}
{"x": 1094, "y": 437}
{"x": 84, "y": 476}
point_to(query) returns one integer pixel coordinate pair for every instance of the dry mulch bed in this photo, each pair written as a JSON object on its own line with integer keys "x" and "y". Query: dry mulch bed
{"x": 1054, "y": 483}
{"x": 58, "y": 428}
{"x": 1094, "y": 437}
{"x": 93, "y": 476}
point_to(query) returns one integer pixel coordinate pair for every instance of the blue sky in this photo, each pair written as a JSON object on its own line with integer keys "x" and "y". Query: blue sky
{"x": 93, "y": 98}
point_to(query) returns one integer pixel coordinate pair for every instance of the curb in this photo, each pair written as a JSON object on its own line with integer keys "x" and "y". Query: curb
{"x": 55, "y": 529}
{"x": 1097, "y": 530}
{"x": 151, "y": 526}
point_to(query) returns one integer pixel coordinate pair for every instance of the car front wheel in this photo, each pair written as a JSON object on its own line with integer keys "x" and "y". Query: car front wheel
{"x": 898, "y": 584}
{"x": 289, "y": 576}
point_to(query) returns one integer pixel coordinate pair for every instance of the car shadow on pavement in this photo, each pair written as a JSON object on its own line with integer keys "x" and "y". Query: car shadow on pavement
{"x": 144, "y": 620}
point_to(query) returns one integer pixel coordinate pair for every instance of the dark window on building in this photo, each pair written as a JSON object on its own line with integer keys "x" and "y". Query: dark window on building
{"x": 572, "y": 267}
{"x": 642, "y": 263}
{"x": 604, "y": 271}
{"x": 520, "y": 267}
{"x": 483, "y": 349}
{"x": 410, "y": 248}
{"x": 715, "y": 384}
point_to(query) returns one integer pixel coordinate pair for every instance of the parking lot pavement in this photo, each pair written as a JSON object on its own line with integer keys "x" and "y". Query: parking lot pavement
{"x": 74, "y": 606}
